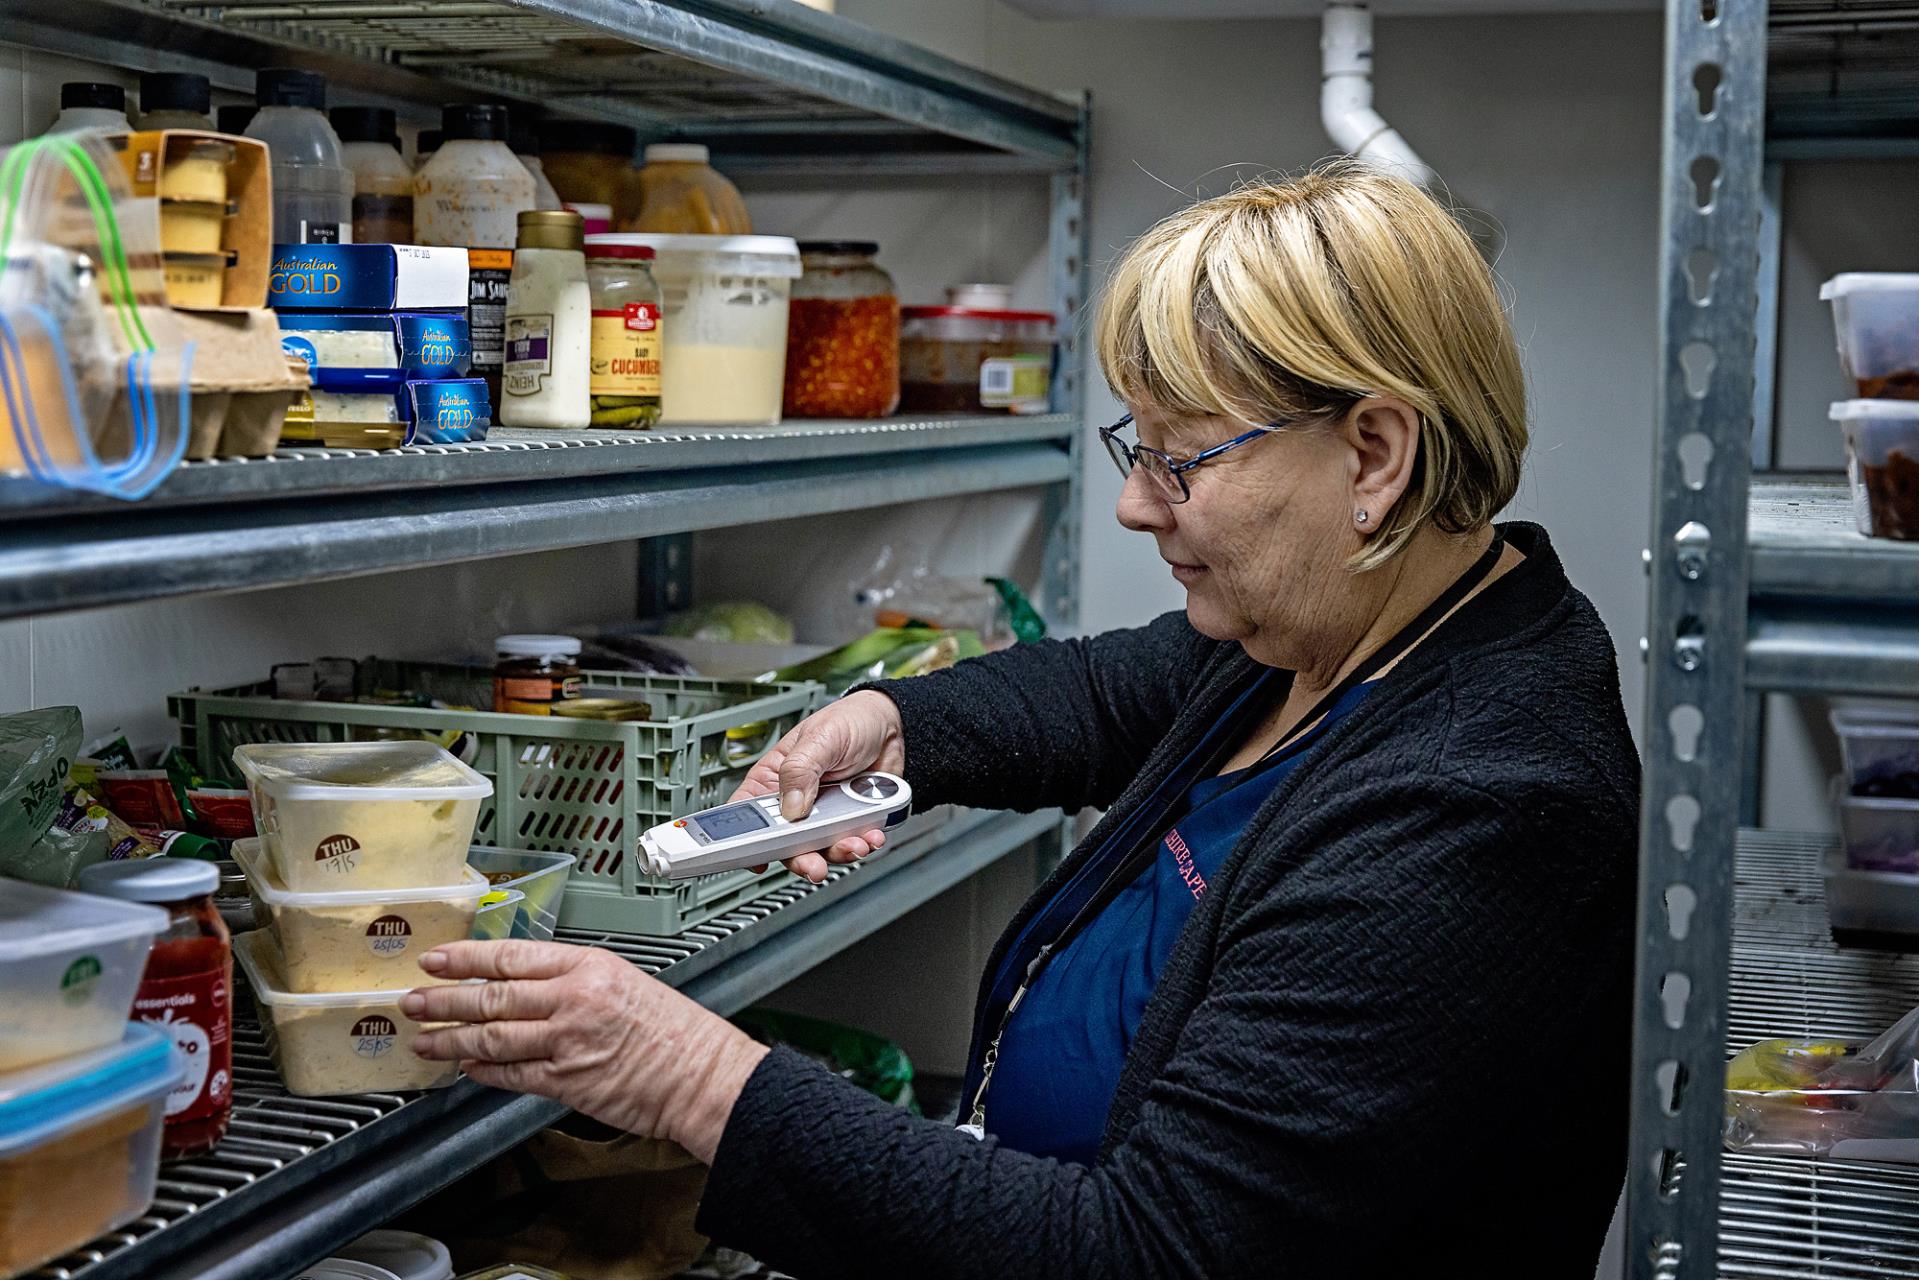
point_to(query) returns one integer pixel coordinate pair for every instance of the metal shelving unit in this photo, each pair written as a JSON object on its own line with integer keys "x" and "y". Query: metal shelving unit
{"x": 1756, "y": 586}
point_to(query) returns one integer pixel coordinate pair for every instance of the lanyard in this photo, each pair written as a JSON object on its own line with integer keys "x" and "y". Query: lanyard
{"x": 1141, "y": 855}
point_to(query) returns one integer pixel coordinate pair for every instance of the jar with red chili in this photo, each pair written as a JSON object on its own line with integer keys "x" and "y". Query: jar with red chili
{"x": 842, "y": 334}
{"x": 186, "y": 991}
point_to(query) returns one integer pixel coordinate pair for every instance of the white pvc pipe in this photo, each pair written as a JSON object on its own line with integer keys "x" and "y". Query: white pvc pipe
{"x": 1346, "y": 97}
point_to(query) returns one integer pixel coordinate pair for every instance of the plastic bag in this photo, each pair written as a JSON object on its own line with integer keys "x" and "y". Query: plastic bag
{"x": 732, "y": 621}
{"x": 1826, "y": 1097}
{"x": 890, "y": 653}
{"x": 872, "y": 1062}
{"x": 35, "y": 749}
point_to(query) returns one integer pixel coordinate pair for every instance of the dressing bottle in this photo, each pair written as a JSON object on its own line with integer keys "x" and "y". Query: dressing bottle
{"x": 382, "y": 181}
{"x": 88, "y": 104}
{"x": 312, "y": 186}
{"x": 549, "y": 325}
{"x": 175, "y": 100}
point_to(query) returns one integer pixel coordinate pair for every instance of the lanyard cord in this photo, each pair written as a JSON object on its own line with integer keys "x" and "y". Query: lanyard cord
{"x": 1129, "y": 868}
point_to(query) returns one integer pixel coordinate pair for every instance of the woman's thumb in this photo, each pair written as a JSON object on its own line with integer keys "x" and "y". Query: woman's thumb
{"x": 800, "y": 773}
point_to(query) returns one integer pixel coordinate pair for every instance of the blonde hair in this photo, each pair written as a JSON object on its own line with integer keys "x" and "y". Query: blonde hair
{"x": 1295, "y": 300}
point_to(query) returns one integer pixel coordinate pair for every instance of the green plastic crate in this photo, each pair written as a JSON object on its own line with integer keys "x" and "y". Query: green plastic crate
{"x": 585, "y": 787}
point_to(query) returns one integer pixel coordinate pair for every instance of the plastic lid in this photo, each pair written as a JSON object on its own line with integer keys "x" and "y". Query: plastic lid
{"x": 1868, "y": 282}
{"x": 368, "y": 770}
{"x": 861, "y": 248}
{"x": 250, "y": 855}
{"x": 345, "y": 1269}
{"x": 552, "y": 229}
{"x": 42, "y": 1100}
{"x": 175, "y": 91}
{"x": 36, "y": 920}
{"x": 536, "y": 646}
{"x": 474, "y": 122}
{"x": 92, "y": 93}
{"x": 406, "y": 1254}
{"x": 427, "y": 141}
{"x": 365, "y": 124}
{"x": 676, "y": 153}
{"x": 1874, "y": 410}
{"x": 289, "y": 87}
{"x": 672, "y": 243}
{"x": 151, "y": 879}
{"x": 597, "y": 137}
{"x": 631, "y": 252}
{"x": 235, "y": 119}
{"x": 972, "y": 313}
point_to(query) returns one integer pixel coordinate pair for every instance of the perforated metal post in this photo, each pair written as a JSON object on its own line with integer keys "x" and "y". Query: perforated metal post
{"x": 1715, "y": 111}
{"x": 1068, "y": 272}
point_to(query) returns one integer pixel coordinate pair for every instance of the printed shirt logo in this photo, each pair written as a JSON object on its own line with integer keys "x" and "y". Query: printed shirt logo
{"x": 374, "y": 1036}
{"x": 1184, "y": 864}
{"x": 76, "y": 984}
{"x": 389, "y": 935}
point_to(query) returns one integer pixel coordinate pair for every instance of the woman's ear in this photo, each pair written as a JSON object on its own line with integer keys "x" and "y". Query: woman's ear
{"x": 1383, "y": 434}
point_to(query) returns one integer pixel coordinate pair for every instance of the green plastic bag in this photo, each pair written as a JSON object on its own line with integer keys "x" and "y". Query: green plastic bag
{"x": 36, "y": 747}
{"x": 872, "y": 1062}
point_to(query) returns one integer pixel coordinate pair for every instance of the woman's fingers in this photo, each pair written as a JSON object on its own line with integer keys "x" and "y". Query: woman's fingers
{"x": 808, "y": 866}
{"x": 514, "y": 958}
{"x": 498, "y": 1001}
{"x": 488, "y": 1042}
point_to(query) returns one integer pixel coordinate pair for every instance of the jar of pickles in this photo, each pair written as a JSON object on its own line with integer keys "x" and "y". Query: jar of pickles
{"x": 623, "y": 373}
{"x": 842, "y": 334}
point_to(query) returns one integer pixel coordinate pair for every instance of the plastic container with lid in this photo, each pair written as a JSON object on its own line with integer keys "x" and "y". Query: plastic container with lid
{"x": 312, "y": 186}
{"x": 1871, "y": 908}
{"x": 624, "y": 375}
{"x": 406, "y": 1254}
{"x": 549, "y": 325}
{"x": 1880, "y": 747}
{"x": 842, "y": 334}
{"x": 382, "y": 179}
{"x": 680, "y": 193}
{"x": 80, "y": 1145}
{"x": 532, "y": 672}
{"x": 540, "y": 877}
{"x": 1882, "y": 464}
{"x": 186, "y": 990}
{"x": 175, "y": 100}
{"x": 1880, "y": 833}
{"x": 90, "y": 104}
{"x": 724, "y": 311}
{"x": 362, "y": 815}
{"x": 1876, "y": 315}
{"x": 69, "y": 966}
{"x": 340, "y": 1042}
{"x": 961, "y": 360}
{"x": 357, "y": 940}
{"x": 345, "y": 1269}
{"x": 591, "y": 161}
{"x": 515, "y": 1271}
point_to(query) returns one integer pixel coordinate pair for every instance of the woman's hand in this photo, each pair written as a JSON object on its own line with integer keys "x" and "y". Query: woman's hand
{"x": 586, "y": 1028}
{"x": 859, "y": 732}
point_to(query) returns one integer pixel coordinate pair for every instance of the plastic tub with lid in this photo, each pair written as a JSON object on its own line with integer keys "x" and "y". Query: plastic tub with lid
{"x": 541, "y": 877}
{"x": 357, "y": 940}
{"x": 515, "y": 1271}
{"x": 1868, "y": 908}
{"x": 722, "y": 325}
{"x": 345, "y": 1269}
{"x": 963, "y": 360}
{"x": 337, "y": 1042}
{"x": 80, "y": 1145}
{"x": 1876, "y": 315}
{"x": 362, "y": 815}
{"x": 406, "y": 1254}
{"x": 70, "y": 964}
{"x": 1880, "y": 747}
{"x": 1882, "y": 464}
{"x": 1880, "y": 833}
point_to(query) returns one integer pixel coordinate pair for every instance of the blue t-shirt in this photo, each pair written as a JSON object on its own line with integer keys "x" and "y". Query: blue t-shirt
{"x": 1060, "y": 1056}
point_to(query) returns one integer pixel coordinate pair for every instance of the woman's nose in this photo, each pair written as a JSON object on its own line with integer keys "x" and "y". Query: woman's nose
{"x": 1141, "y": 507}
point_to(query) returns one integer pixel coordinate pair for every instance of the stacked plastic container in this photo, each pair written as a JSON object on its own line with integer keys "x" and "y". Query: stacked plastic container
{"x": 83, "y": 1092}
{"x": 1872, "y": 879}
{"x": 1876, "y": 315}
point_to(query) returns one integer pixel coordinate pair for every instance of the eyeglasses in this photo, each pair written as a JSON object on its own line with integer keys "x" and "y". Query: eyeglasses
{"x": 1168, "y": 473}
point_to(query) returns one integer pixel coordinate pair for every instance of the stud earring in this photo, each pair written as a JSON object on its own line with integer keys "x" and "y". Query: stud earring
{"x": 1360, "y": 517}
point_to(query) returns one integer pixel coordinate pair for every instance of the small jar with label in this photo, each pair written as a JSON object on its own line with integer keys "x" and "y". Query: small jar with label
{"x": 186, "y": 991}
{"x": 532, "y": 673}
{"x": 625, "y": 373}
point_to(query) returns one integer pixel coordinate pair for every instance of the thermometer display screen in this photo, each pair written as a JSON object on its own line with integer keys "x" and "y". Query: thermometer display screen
{"x": 732, "y": 820}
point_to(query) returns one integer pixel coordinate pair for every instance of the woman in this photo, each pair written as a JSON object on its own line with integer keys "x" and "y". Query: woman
{"x": 1340, "y": 983}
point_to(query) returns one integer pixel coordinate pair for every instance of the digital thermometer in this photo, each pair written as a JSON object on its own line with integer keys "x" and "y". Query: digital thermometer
{"x": 750, "y": 833}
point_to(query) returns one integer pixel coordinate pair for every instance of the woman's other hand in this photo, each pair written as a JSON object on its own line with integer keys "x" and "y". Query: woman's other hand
{"x": 586, "y": 1028}
{"x": 859, "y": 732}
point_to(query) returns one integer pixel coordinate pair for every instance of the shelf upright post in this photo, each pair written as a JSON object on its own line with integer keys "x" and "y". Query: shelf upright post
{"x": 1708, "y": 266}
{"x": 1067, "y": 276}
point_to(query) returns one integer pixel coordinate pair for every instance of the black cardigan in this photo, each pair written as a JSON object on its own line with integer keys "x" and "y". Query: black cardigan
{"x": 1392, "y": 1038}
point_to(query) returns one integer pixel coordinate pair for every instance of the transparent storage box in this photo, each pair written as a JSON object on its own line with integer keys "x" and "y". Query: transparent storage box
{"x": 80, "y": 1145}
{"x": 1871, "y": 908}
{"x": 1882, "y": 465}
{"x": 1876, "y": 317}
{"x": 1880, "y": 746}
{"x": 585, "y": 787}
{"x": 69, "y": 966}
{"x": 339, "y": 1042}
{"x": 540, "y": 877}
{"x": 1878, "y": 833}
{"x": 357, "y": 940}
{"x": 362, "y": 815}
{"x": 407, "y": 1254}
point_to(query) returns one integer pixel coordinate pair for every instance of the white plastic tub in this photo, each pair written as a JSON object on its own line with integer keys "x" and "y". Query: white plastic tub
{"x": 357, "y": 939}
{"x": 723, "y": 324}
{"x": 1882, "y": 464}
{"x": 405, "y": 1254}
{"x": 362, "y": 815}
{"x": 1870, "y": 902}
{"x": 540, "y": 877}
{"x": 1876, "y": 316}
{"x": 69, "y": 966}
{"x": 341, "y": 1042}
{"x": 80, "y": 1145}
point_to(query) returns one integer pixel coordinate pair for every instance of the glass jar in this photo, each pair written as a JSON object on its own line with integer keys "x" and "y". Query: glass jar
{"x": 590, "y": 162}
{"x": 842, "y": 334}
{"x": 624, "y": 375}
{"x": 186, "y": 991}
{"x": 680, "y": 193}
{"x": 531, "y": 673}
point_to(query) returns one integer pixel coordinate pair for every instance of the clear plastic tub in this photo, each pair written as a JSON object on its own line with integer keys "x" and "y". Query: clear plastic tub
{"x": 70, "y": 964}
{"x": 80, "y": 1145}
{"x": 339, "y": 1042}
{"x": 1882, "y": 464}
{"x": 357, "y": 940}
{"x": 722, "y": 325}
{"x": 1880, "y": 746}
{"x": 345, "y": 1269}
{"x": 541, "y": 877}
{"x": 1876, "y": 315}
{"x": 514, "y": 1271}
{"x": 406, "y": 1254}
{"x": 1879, "y": 834}
{"x": 362, "y": 815}
{"x": 961, "y": 360}
{"x": 1866, "y": 906}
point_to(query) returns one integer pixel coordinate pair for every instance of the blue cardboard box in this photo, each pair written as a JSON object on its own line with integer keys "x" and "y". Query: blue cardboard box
{"x": 433, "y": 344}
{"x": 447, "y": 412}
{"x": 367, "y": 277}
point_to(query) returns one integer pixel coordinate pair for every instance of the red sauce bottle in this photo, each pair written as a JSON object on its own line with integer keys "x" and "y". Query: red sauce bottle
{"x": 187, "y": 989}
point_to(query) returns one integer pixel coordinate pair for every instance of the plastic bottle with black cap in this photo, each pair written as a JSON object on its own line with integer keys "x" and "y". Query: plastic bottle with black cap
{"x": 312, "y": 186}
{"x": 382, "y": 180}
{"x": 524, "y": 138}
{"x": 175, "y": 100}
{"x": 90, "y": 105}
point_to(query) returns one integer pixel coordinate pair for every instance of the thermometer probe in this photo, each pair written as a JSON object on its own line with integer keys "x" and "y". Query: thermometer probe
{"x": 751, "y": 833}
